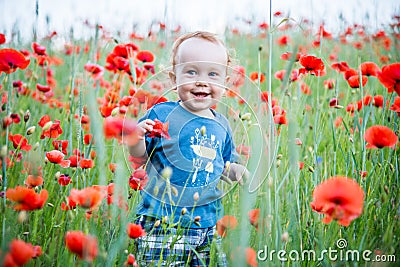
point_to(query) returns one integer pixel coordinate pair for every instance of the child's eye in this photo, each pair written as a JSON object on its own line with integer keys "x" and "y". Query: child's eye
{"x": 213, "y": 74}
{"x": 191, "y": 72}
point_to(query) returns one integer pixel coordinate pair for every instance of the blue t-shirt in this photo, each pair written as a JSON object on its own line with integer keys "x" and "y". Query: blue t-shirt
{"x": 196, "y": 153}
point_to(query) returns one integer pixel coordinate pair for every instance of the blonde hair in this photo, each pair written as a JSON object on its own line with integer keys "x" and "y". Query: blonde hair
{"x": 211, "y": 37}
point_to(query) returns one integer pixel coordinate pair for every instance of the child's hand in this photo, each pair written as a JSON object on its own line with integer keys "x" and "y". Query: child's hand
{"x": 144, "y": 127}
{"x": 235, "y": 172}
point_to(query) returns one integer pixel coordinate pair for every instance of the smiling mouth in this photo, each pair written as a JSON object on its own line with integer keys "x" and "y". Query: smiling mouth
{"x": 201, "y": 94}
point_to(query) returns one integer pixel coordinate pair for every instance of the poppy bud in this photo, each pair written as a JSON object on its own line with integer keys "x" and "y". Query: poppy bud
{"x": 30, "y": 130}
{"x": 3, "y": 152}
{"x": 196, "y": 196}
{"x": 270, "y": 182}
{"x": 227, "y": 165}
{"x": 47, "y": 125}
{"x": 155, "y": 190}
{"x": 174, "y": 191}
{"x": 165, "y": 219}
{"x": 157, "y": 223}
{"x": 245, "y": 117}
{"x": 278, "y": 163}
{"x": 183, "y": 211}
{"x": 22, "y": 216}
{"x": 310, "y": 168}
{"x": 285, "y": 237}
{"x": 166, "y": 173}
{"x": 115, "y": 112}
{"x": 298, "y": 141}
{"x": 27, "y": 115}
{"x": 36, "y": 146}
{"x": 203, "y": 130}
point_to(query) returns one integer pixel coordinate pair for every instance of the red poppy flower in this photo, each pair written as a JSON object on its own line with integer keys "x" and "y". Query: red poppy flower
{"x": 396, "y": 105}
{"x": 118, "y": 60}
{"x": 121, "y": 129}
{"x": 305, "y": 89}
{"x": 138, "y": 179}
{"x": 280, "y": 119}
{"x": 60, "y": 145}
{"x": 131, "y": 261}
{"x": 20, "y": 253}
{"x": 378, "y": 136}
{"x": 312, "y": 65}
{"x": 369, "y": 69}
{"x": 135, "y": 230}
{"x": 15, "y": 118}
{"x": 354, "y": 81}
{"x": 329, "y": 84}
{"x": 390, "y": 77}
{"x": 85, "y": 246}
{"x": 339, "y": 198}
{"x": 283, "y": 40}
{"x": 43, "y": 88}
{"x": 322, "y": 32}
{"x": 243, "y": 150}
{"x": 228, "y": 222}
{"x": 86, "y": 163}
{"x": 159, "y": 130}
{"x": 50, "y": 129}
{"x": 280, "y": 74}
{"x": 288, "y": 55}
{"x": 2, "y": 39}
{"x": 11, "y": 59}
{"x": 55, "y": 156}
{"x": 378, "y": 101}
{"x": 350, "y": 73}
{"x": 96, "y": 70}
{"x": 33, "y": 181}
{"x": 145, "y": 56}
{"x": 39, "y": 49}
{"x": 64, "y": 180}
{"x": 251, "y": 257}
{"x": 20, "y": 142}
{"x": 254, "y": 77}
{"x": 69, "y": 205}
{"x": 44, "y": 120}
{"x": 254, "y": 216}
{"x": 26, "y": 198}
{"x": 89, "y": 197}
{"x": 340, "y": 66}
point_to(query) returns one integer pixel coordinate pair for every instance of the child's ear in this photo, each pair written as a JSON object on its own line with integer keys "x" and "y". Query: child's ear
{"x": 172, "y": 77}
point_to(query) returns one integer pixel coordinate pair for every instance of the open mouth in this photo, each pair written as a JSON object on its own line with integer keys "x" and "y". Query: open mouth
{"x": 201, "y": 94}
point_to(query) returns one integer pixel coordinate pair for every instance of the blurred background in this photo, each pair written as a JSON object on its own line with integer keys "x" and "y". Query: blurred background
{"x": 141, "y": 16}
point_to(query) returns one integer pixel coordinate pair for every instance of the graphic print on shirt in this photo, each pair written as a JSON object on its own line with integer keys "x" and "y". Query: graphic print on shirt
{"x": 204, "y": 149}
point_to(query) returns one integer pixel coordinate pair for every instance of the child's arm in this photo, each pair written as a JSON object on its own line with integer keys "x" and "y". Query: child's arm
{"x": 235, "y": 172}
{"x": 139, "y": 149}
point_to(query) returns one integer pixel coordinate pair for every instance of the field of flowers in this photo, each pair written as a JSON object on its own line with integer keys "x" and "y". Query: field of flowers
{"x": 315, "y": 117}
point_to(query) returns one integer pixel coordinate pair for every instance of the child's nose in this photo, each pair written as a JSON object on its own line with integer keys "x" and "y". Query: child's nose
{"x": 201, "y": 83}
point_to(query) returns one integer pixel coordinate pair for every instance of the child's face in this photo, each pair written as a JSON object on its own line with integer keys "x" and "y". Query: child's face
{"x": 200, "y": 74}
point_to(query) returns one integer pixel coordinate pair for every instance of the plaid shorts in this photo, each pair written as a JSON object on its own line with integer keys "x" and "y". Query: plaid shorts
{"x": 174, "y": 246}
